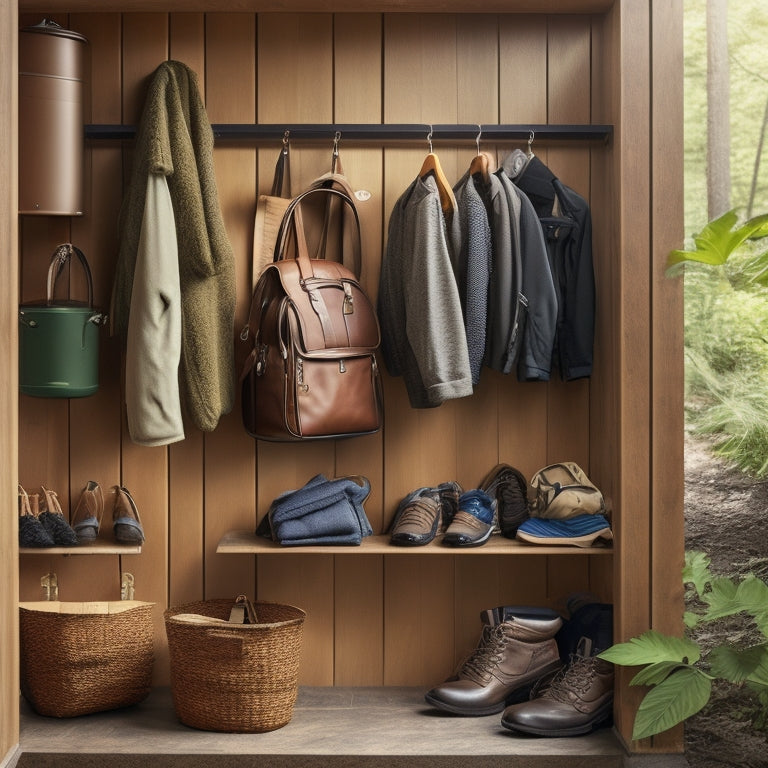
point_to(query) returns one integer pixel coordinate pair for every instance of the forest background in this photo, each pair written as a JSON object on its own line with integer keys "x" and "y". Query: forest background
{"x": 726, "y": 167}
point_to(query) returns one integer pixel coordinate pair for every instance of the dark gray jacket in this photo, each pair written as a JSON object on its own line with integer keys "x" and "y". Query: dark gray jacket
{"x": 567, "y": 226}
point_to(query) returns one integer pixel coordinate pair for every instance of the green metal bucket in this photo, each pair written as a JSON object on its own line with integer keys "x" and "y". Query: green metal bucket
{"x": 59, "y": 341}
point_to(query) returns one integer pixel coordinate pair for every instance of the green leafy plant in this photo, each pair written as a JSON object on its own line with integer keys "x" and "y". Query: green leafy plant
{"x": 676, "y": 670}
{"x": 721, "y": 238}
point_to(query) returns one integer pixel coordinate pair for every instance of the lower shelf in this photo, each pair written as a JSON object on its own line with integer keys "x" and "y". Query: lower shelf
{"x": 246, "y": 542}
{"x": 357, "y": 726}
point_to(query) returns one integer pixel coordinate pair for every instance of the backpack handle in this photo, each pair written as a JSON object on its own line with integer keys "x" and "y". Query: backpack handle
{"x": 292, "y": 222}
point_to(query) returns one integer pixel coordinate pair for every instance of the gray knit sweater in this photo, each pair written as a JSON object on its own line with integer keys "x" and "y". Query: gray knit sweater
{"x": 423, "y": 337}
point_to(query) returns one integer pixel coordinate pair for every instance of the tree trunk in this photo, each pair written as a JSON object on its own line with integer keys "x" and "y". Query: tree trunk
{"x": 718, "y": 110}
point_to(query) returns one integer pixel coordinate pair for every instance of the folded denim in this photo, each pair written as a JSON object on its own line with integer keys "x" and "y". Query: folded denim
{"x": 320, "y": 512}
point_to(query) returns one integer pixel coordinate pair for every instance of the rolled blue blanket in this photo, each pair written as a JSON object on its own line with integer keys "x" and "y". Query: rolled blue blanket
{"x": 320, "y": 512}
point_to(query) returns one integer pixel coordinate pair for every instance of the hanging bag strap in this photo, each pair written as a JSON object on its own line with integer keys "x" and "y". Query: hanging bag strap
{"x": 59, "y": 260}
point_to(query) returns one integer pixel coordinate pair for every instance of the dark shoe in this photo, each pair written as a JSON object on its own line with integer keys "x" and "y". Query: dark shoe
{"x": 578, "y": 700}
{"x": 474, "y": 522}
{"x": 510, "y": 489}
{"x": 422, "y": 513}
{"x": 510, "y": 657}
{"x": 86, "y": 519}
{"x": 125, "y": 518}
{"x": 31, "y": 531}
{"x": 54, "y": 522}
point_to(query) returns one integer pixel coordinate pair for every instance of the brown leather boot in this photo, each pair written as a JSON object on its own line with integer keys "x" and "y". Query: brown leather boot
{"x": 510, "y": 657}
{"x": 579, "y": 699}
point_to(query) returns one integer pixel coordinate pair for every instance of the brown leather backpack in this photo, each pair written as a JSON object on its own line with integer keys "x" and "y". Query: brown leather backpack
{"x": 311, "y": 371}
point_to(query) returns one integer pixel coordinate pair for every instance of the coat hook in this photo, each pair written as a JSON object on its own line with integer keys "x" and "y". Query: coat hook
{"x": 429, "y": 139}
{"x": 335, "y": 156}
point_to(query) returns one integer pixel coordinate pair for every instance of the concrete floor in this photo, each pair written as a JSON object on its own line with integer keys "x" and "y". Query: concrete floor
{"x": 330, "y": 726}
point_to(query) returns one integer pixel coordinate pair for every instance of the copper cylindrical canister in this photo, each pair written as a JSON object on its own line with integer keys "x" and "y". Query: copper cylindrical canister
{"x": 51, "y": 120}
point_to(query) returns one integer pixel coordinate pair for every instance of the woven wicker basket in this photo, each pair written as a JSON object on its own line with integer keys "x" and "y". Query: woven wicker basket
{"x": 78, "y": 658}
{"x": 242, "y": 679}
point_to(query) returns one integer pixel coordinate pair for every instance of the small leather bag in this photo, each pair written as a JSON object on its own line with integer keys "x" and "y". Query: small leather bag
{"x": 311, "y": 370}
{"x": 563, "y": 490}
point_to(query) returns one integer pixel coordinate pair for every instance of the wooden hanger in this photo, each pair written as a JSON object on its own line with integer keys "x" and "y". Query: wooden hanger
{"x": 432, "y": 165}
{"x": 481, "y": 163}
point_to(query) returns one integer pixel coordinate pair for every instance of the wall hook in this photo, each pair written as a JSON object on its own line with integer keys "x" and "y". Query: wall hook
{"x": 50, "y": 585}
{"x": 127, "y": 584}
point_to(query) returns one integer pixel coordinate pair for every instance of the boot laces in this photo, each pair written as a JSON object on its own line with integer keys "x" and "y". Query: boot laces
{"x": 572, "y": 679}
{"x": 420, "y": 513}
{"x": 488, "y": 652}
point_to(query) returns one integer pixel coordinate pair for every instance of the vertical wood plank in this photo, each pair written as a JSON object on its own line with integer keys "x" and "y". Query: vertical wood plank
{"x": 667, "y": 521}
{"x": 9, "y": 399}
{"x": 94, "y": 439}
{"x": 358, "y": 581}
{"x": 420, "y": 69}
{"x": 523, "y": 99}
{"x": 145, "y": 470}
{"x": 186, "y": 459}
{"x": 230, "y": 96}
{"x": 290, "y": 91}
{"x": 632, "y": 524}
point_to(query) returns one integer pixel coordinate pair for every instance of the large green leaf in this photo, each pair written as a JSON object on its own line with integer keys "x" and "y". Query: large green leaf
{"x": 727, "y": 598}
{"x": 678, "y": 697}
{"x": 650, "y": 648}
{"x": 738, "y": 666}
{"x": 720, "y": 238}
{"x": 653, "y": 674}
{"x": 696, "y": 570}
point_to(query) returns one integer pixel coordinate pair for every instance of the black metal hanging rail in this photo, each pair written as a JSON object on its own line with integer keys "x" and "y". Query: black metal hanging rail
{"x": 382, "y": 132}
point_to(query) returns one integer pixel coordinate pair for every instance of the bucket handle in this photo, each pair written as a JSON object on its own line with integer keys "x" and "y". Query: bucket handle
{"x": 58, "y": 261}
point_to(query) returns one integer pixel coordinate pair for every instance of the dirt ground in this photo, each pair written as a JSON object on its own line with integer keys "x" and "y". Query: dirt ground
{"x": 726, "y": 516}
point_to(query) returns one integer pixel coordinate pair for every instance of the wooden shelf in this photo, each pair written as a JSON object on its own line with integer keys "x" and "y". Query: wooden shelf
{"x": 246, "y": 542}
{"x": 98, "y": 548}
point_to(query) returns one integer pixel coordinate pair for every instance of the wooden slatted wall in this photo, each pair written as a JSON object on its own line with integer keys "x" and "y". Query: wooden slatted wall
{"x": 372, "y": 619}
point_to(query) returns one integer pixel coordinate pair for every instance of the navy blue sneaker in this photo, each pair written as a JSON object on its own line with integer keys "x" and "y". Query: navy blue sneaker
{"x": 474, "y": 522}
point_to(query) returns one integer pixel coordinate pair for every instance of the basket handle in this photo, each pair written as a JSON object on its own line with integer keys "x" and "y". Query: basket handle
{"x": 59, "y": 259}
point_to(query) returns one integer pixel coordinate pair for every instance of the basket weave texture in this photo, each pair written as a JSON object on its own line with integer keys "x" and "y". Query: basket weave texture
{"x": 242, "y": 679}
{"x": 79, "y": 658}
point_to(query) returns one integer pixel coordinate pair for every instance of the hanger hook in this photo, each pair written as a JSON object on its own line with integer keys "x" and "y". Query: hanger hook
{"x": 531, "y": 136}
{"x": 477, "y": 138}
{"x": 429, "y": 139}
{"x": 285, "y": 142}
{"x": 336, "y": 140}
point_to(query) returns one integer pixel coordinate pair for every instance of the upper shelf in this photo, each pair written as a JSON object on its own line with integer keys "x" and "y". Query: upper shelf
{"x": 319, "y": 6}
{"x": 246, "y": 542}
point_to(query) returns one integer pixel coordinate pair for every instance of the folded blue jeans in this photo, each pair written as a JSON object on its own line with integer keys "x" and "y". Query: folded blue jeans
{"x": 320, "y": 512}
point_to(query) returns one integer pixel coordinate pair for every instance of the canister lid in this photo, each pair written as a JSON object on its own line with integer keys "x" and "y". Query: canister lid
{"x": 49, "y": 27}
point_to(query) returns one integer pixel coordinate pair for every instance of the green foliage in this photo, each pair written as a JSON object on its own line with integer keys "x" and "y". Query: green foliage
{"x": 720, "y": 238}
{"x": 676, "y": 670}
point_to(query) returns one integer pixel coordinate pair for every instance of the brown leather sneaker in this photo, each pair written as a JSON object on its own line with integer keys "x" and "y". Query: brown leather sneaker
{"x": 579, "y": 699}
{"x": 510, "y": 657}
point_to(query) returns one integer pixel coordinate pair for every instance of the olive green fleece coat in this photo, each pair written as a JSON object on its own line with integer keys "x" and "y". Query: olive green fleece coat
{"x": 174, "y": 138}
